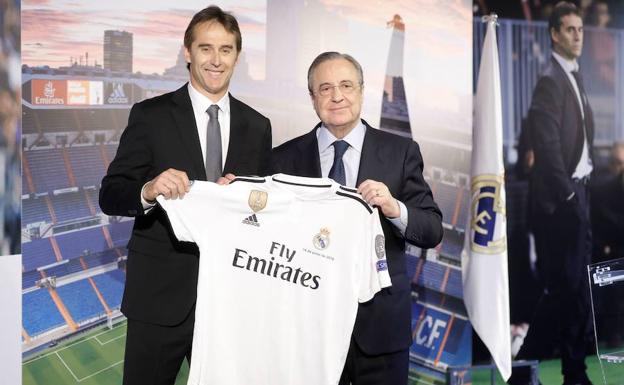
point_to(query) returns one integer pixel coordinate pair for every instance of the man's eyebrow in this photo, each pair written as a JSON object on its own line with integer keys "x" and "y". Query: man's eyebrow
{"x": 202, "y": 45}
{"x": 340, "y": 82}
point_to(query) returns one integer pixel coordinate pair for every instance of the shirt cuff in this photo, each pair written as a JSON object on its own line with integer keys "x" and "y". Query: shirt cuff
{"x": 146, "y": 205}
{"x": 401, "y": 222}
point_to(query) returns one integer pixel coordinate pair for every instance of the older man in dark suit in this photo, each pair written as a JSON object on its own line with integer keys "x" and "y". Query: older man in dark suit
{"x": 387, "y": 171}
{"x": 199, "y": 132}
{"x": 562, "y": 135}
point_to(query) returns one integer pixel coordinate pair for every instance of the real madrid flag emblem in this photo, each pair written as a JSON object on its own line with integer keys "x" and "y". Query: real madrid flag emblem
{"x": 488, "y": 235}
{"x": 257, "y": 200}
{"x": 321, "y": 240}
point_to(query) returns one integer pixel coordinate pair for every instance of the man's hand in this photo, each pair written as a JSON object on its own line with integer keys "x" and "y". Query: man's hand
{"x": 171, "y": 184}
{"x": 378, "y": 194}
{"x": 226, "y": 179}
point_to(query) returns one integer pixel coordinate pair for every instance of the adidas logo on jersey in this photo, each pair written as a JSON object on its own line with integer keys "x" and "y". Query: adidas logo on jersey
{"x": 251, "y": 220}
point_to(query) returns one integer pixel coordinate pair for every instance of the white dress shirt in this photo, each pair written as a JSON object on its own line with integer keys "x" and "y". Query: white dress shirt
{"x": 200, "y": 105}
{"x": 584, "y": 166}
{"x": 351, "y": 160}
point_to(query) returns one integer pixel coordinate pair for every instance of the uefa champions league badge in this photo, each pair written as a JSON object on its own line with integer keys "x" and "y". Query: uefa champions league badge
{"x": 321, "y": 240}
{"x": 380, "y": 246}
{"x": 488, "y": 215}
{"x": 257, "y": 200}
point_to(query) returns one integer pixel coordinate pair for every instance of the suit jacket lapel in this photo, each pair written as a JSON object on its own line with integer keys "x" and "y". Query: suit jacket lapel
{"x": 184, "y": 117}
{"x": 370, "y": 159}
{"x": 309, "y": 162}
{"x": 562, "y": 73}
{"x": 238, "y": 127}
{"x": 589, "y": 125}
{"x": 584, "y": 109}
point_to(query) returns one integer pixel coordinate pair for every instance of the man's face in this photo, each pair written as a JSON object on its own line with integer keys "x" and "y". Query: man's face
{"x": 339, "y": 109}
{"x": 604, "y": 18}
{"x": 568, "y": 40}
{"x": 212, "y": 56}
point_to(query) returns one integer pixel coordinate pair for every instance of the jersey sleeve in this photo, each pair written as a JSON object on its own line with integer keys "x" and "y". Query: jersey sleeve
{"x": 185, "y": 214}
{"x": 375, "y": 274}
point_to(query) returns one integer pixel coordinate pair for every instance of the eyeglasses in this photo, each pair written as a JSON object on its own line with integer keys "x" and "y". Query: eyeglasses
{"x": 345, "y": 88}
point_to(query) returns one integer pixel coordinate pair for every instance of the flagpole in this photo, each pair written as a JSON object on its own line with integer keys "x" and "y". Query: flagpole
{"x": 491, "y": 18}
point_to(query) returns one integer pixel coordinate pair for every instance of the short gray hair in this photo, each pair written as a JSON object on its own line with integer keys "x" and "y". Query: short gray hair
{"x": 333, "y": 55}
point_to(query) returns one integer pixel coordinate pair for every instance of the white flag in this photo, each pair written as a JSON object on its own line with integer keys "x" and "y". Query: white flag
{"x": 484, "y": 260}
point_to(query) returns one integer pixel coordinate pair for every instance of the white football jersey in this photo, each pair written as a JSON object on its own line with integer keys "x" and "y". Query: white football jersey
{"x": 284, "y": 262}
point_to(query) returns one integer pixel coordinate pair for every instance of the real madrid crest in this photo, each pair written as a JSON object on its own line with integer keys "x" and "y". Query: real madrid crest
{"x": 257, "y": 200}
{"x": 321, "y": 240}
{"x": 488, "y": 235}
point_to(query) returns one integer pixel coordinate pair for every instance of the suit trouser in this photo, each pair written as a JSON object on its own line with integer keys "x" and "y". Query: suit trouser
{"x": 384, "y": 369}
{"x": 154, "y": 353}
{"x": 563, "y": 314}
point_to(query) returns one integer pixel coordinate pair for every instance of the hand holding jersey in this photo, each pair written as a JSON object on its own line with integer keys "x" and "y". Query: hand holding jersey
{"x": 171, "y": 184}
{"x": 377, "y": 194}
{"x": 226, "y": 179}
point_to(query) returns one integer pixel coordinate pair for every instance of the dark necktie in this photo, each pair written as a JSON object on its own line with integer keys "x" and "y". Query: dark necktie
{"x": 337, "y": 171}
{"x": 587, "y": 118}
{"x": 579, "y": 84}
{"x": 213, "y": 145}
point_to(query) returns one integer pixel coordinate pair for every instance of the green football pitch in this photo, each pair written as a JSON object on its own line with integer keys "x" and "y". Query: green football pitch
{"x": 96, "y": 358}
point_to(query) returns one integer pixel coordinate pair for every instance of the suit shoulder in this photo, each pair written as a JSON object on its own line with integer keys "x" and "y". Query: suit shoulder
{"x": 290, "y": 144}
{"x": 549, "y": 86}
{"x": 152, "y": 107}
{"x": 552, "y": 76}
{"x": 548, "y": 78}
{"x": 287, "y": 154}
{"x": 156, "y": 101}
{"x": 247, "y": 110}
{"x": 392, "y": 140}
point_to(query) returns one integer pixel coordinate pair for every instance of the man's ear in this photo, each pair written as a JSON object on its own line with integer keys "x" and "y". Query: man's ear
{"x": 187, "y": 55}
{"x": 554, "y": 35}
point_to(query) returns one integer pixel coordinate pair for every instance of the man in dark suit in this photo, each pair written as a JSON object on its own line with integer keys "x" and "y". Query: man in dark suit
{"x": 387, "y": 171}
{"x": 562, "y": 134}
{"x": 198, "y": 132}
